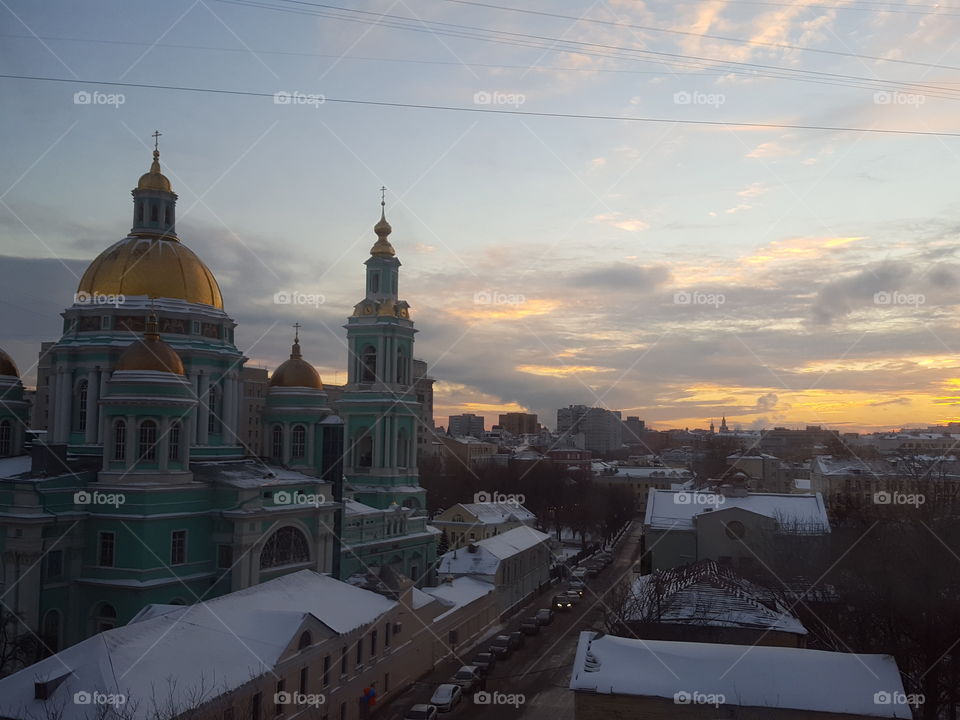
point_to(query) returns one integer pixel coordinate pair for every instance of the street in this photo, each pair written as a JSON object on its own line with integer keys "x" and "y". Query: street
{"x": 540, "y": 670}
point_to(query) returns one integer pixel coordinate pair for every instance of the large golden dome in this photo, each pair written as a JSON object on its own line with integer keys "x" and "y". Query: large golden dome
{"x": 157, "y": 267}
{"x": 296, "y": 372}
{"x": 151, "y": 353}
{"x": 7, "y": 365}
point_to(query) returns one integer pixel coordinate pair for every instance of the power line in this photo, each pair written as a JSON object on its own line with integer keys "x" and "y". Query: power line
{"x": 493, "y": 111}
{"x": 649, "y": 28}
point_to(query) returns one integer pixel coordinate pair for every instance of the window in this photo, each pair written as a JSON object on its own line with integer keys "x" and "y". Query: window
{"x": 304, "y": 679}
{"x": 359, "y": 652}
{"x": 375, "y": 282}
{"x": 285, "y": 547}
{"x": 173, "y": 442}
{"x": 373, "y": 643}
{"x": 386, "y": 682}
{"x": 224, "y": 556}
{"x": 154, "y": 213}
{"x": 277, "y": 442}
{"x": 105, "y": 618}
{"x": 326, "y": 670}
{"x": 106, "y": 549}
{"x": 343, "y": 660}
{"x": 6, "y": 438}
{"x": 148, "y": 440}
{"x": 278, "y": 697}
{"x": 54, "y": 561}
{"x": 80, "y": 420}
{"x": 343, "y": 711}
{"x": 139, "y": 211}
{"x": 298, "y": 444}
{"x": 386, "y": 634}
{"x": 178, "y": 547}
{"x": 168, "y": 216}
{"x": 368, "y": 365}
{"x": 735, "y": 530}
{"x": 403, "y": 448}
{"x": 120, "y": 441}
{"x": 402, "y": 367}
{"x": 51, "y": 630}
{"x": 255, "y": 706}
{"x": 363, "y": 450}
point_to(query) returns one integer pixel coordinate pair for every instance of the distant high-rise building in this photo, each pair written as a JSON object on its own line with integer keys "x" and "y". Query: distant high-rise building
{"x": 254, "y": 385}
{"x": 633, "y": 429}
{"x": 423, "y": 386}
{"x": 518, "y": 423}
{"x": 465, "y": 424}
{"x": 602, "y": 429}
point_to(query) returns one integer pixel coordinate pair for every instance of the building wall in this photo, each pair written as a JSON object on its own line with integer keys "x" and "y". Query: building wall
{"x": 254, "y": 387}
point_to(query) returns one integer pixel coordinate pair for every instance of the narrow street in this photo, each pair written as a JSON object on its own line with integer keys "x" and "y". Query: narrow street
{"x": 540, "y": 670}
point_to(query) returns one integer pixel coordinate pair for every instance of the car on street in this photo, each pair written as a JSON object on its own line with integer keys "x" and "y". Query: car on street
{"x": 577, "y": 586}
{"x": 562, "y": 602}
{"x": 544, "y": 616}
{"x": 530, "y": 626}
{"x": 516, "y": 637}
{"x": 446, "y": 697}
{"x": 501, "y": 646}
{"x": 484, "y": 662}
{"x": 421, "y": 712}
{"x": 467, "y": 677}
{"x": 573, "y": 596}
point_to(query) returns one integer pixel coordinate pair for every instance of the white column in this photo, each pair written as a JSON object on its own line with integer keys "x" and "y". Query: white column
{"x": 378, "y": 445}
{"x": 203, "y": 411}
{"x": 101, "y": 416}
{"x": 381, "y": 360}
{"x": 286, "y": 444}
{"x": 93, "y": 409}
{"x": 311, "y": 428}
{"x": 63, "y": 415}
{"x": 133, "y": 447}
{"x": 186, "y": 433}
{"x": 227, "y": 410}
{"x": 193, "y": 437}
{"x": 163, "y": 446}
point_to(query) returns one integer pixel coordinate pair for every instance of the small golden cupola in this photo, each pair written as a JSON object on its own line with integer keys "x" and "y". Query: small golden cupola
{"x": 8, "y": 367}
{"x": 382, "y": 247}
{"x": 150, "y": 352}
{"x": 296, "y": 372}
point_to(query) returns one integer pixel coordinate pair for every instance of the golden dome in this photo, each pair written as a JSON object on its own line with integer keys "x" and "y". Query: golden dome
{"x": 155, "y": 267}
{"x": 7, "y": 365}
{"x": 296, "y": 372}
{"x": 154, "y": 180}
{"x": 382, "y": 248}
{"x": 151, "y": 353}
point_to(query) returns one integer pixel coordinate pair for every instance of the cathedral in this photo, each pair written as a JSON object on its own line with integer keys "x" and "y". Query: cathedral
{"x": 146, "y": 489}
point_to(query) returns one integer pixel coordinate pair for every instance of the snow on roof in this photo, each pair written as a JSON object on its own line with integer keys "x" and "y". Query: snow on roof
{"x": 494, "y": 513}
{"x": 707, "y": 593}
{"x": 355, "y": 507}
{"x": 11, "y": 466}
{"x": 673, "y": 509}
{"x": 418, "y": 598}
{"x": 654, "y": 472}
{"x": 249, "y": 474}
{"x": 459, "y": 592}
{"x": 747, "y": 676}
{"x": 486, "y": 559}
{"x": 221, "y": 642}
{"x": 801, "y": 483}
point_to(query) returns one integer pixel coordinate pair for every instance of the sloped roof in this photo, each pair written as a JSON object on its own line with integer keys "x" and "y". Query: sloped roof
{"x": 486, "y": 559}
{"x": 494, "y": 513}
{"x": 672, "y": 509}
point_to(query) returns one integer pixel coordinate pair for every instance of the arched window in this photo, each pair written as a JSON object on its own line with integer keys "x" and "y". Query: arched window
{"x": 402, "y": 367}
{"x": 298, "y": 441}
{"x": 403, "y": 448}
{"x": 363, "y": 450}
{"x": 213, "y": 406}
{"x": 167, "y": 216}
{"x": 140, "y": 211}
{"x": 173, "y": 442}
{"x": 104, "y": 618}
{"x": 147, "y": 449}
{"x": 368, "y": 365}
{"x": 276, "y": 441}
{"x": 285, "y": 547}
{"x": 80, "y": 418}
{"x": 305, "y": 640}
{"x": 154, "y": 213}
{"x": 120, "y": 440}
{"x": 51, "y": 631}
{"x": 6, "y": 438}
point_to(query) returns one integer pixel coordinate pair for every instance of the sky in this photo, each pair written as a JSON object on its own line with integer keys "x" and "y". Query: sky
{"x": 715, "y": 254}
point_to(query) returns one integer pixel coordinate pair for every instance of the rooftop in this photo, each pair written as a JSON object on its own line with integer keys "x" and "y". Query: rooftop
{"x": 677, "y": 509}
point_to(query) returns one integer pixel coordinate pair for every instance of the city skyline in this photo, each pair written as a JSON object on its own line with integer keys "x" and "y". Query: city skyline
{"x": 677, "y": 272}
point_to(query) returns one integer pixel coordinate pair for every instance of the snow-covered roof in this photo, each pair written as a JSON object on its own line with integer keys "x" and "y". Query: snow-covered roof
{"x": 222, "y": 642}
{"x": 676, "y": 510}
{"x": 249, "y": 474}
{"x": 458, "y": 592}
{"x": 746, "y": 676}
{"x": 11, "y": 466}
{"x": 355, "y": 507}
{"x": 654, "y": 472}
{"x": 709, "y": 594}
{"x": 488, "y": 553}
{"x": 494, "y": 513}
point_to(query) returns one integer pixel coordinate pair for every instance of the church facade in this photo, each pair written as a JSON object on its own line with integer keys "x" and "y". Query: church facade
{"x": 144, "y": 491}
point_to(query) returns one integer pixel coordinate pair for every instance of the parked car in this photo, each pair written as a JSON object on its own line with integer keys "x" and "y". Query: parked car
{"x": 573, "y": 596}
{"x": 421, "y": 712}
{"x": 577, "y": 586}
{"x": 501, "y": 646}
{"x": 544, "y": 616}
{"x": 467, "y": 677}
{"x": 530, "y": 626}
{"x": 579, "y": 572}
{"x": 446, "y": 697}
{"x": 484, "y": 662}
{"x": 516, "y": 637}
{"x": 562, "y": 602}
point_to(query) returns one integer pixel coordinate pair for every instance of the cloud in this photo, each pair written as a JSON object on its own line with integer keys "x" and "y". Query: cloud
{"x": 622, "y": 276}
{"x": 767, "y": 402}
{"x": 770, "y": 149}
{"x": 618, "y": 220}
{"x": 753, "y": 190}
